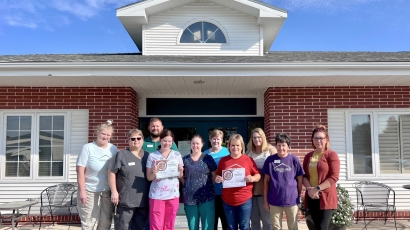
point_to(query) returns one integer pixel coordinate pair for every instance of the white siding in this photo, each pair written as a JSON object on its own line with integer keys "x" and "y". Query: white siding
{"x": 79, "y": 137}
{"x": 14, "y": 191}
{"x": 161, "y": 33}
{"x": 337, "y": 133}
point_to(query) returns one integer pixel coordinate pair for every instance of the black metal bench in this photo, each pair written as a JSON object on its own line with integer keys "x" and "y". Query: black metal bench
{"x": 375, "y": 197}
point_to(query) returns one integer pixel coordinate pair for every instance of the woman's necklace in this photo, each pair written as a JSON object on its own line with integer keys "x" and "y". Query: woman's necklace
{"x": 164, "y": 153}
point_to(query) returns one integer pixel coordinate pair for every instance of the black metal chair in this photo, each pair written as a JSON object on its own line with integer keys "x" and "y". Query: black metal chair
{"x": 57, "y": 197}
{"x": 373, "y": 197}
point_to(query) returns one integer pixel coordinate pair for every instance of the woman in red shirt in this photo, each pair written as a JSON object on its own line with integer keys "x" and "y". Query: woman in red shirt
{"x": 237, "y": 172}
{"x": 322, "y": 168}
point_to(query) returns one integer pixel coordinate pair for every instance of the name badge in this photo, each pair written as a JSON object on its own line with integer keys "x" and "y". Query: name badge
{"x": 276, "y": 161}
{"x": 150, "y": 146}
{"x": 131, "y": 163}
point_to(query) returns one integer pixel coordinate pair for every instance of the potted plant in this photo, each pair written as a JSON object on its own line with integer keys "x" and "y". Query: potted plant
{"x": 341, "y": 218}
{"x": 343, "y": 215}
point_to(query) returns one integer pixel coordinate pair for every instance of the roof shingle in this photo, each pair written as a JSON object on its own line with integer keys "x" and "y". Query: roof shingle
{"x": 272, "y": 57}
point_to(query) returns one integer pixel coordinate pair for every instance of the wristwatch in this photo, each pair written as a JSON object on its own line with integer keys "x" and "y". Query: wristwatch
{"x": 318, "y": 188}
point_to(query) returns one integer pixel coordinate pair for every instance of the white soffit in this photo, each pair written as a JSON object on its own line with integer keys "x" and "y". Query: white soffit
{"x": 204, "y": 69}
{"x": 217, "y": 79}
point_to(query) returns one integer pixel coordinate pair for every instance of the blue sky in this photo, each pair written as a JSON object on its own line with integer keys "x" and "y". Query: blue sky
{"x": 90, "y": 26}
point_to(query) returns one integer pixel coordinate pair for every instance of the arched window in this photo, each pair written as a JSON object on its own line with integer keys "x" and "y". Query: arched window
{"x": 202, "y": 32}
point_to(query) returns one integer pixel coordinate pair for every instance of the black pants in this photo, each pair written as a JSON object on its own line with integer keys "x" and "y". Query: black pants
{"x": 219, "y": 213}
{"x": 320, "y": 217}
{"x": 131, "y": 218}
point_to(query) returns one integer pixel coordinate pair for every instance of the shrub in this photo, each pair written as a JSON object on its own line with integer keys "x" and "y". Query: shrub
{"x": 343, "y": 215}
{"x": 302, "y": 198}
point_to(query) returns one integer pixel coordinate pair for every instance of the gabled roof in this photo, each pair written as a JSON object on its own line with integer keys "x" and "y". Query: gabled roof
{"x": 135, "y": 15}
{"x": 256, "y": 1}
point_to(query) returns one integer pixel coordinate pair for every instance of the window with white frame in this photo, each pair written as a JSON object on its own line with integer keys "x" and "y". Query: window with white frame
{"x": 380, "y": 144}
{"x": 34, "y": 145}
{"x": 202, "y": 32}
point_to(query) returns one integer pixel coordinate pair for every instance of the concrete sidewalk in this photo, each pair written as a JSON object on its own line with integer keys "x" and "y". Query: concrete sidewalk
{"x": 377, "y": 224}
{"x": 181, "y": 224}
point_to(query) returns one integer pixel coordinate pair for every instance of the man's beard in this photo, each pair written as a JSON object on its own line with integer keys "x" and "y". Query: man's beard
{"x": 154, "y": 135}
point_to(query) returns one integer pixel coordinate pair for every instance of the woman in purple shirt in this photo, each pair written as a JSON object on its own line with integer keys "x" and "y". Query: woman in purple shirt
{"x": 282, "y": 184}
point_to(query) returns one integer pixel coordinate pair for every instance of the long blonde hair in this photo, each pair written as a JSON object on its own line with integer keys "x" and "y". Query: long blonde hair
{"x": 265, "y": 145}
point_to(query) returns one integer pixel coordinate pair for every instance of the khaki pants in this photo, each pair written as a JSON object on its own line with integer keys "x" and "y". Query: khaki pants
{"x": 291, "y": 212}
{"x": 96, "y": 214}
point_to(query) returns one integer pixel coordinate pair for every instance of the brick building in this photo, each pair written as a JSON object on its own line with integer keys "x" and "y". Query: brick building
{"x": 195, "y": 82}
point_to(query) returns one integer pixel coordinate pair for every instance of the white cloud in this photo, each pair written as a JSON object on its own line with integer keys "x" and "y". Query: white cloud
{"x": 18, "y": 21}
{"x": 322, "y": 6}
{"x": 52, "y": 13}
{"x": 393, "y": 14}
{"x": 85, "y": 9}
{"x": 80, "y": 10}
{"x": 22, "y": 5}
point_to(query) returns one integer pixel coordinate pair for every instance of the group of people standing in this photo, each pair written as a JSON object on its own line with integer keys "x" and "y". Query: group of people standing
{"x": 127, "y": 183}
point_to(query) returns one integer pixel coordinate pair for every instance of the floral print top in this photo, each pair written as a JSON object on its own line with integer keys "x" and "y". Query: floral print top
{"x": 198, "y": 186}
{"x": 166, "y": 188}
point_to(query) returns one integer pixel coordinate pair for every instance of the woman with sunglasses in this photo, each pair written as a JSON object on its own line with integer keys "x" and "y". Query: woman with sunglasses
{"x": 322, "y": 168}
{"x": 129, "y": 184}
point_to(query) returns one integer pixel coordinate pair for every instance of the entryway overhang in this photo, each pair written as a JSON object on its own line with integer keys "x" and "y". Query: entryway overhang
{"x": 203, "y": 78}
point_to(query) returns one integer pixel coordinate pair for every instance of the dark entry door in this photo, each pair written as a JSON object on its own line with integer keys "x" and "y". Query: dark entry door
{"x": 227, "y": 127}
{"x": 184, "y": 130}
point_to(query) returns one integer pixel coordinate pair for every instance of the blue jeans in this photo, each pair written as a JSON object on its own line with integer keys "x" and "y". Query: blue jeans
{"x": 238, "y": 215}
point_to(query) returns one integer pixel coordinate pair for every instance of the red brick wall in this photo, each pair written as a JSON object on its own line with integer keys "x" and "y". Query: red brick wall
{"x": 65, "y": 219}
{"x": 117, "y": 103}
{"x": 296, "y": 110}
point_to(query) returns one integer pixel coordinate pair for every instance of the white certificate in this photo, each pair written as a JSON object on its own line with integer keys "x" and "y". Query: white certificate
{"x": 233, "y": 178}
{"x": 167, "y": 168}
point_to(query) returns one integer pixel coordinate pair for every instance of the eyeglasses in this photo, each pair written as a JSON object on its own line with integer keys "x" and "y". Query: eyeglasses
{"x": 135, "y": 138}
{"x": 319, "y": 138}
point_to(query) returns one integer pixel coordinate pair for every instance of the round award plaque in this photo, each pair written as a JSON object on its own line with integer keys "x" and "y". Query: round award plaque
{"x": 162, "y": 165}
{"x": 227, "y": 175}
